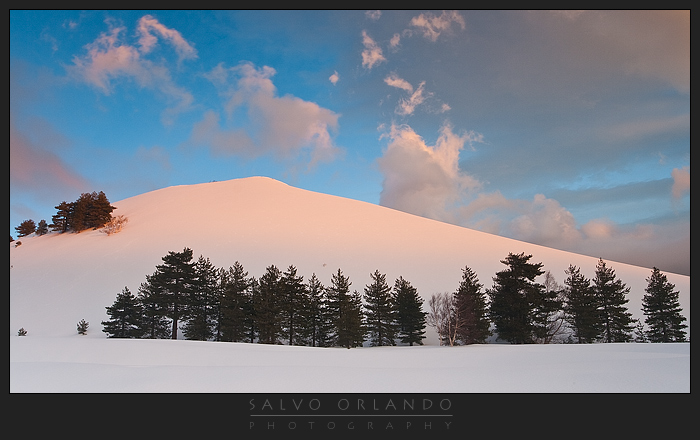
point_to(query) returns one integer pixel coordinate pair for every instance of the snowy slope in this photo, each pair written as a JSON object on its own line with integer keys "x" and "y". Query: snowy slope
{"x": 58, "y": 279}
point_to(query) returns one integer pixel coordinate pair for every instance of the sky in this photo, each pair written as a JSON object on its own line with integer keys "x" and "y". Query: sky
{"x": 569, "y": 129}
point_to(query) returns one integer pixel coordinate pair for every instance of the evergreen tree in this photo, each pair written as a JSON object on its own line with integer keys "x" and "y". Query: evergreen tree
{"x": 125, "y": 317}
{"x": 82, "y": 327}
{"x": 344, "y": 312}
{"x": 472, "y": 323}
{"x": 617, "y": 322}
{"x": 234, "y": 296}
{"x": 154, "y": 322}
{"x": 410, "y": 317}
{"x": 581, "y": 306}
{"x": 380, "y": 313}
{"x": 202, "y": 302}
{"x": 25, "y": 228}
{"x": 91, "y": 210}
{"x": 267, "y": 305}
{"x": 174, "y": 280}
{"x": 316, "y": 329}
{"x": 662, "y": 310}
{"x": 61, "y": 220}
{"x": 42, "y": 228}
{"x": 514, "y": 297}
{"x": 292, "y": 305}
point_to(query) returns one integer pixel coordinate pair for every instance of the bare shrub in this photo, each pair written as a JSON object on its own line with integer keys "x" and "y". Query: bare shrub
{"x": 114, "y": 225}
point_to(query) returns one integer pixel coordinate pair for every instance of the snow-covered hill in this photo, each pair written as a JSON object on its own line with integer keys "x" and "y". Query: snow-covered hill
{"x": 58, "y": 279}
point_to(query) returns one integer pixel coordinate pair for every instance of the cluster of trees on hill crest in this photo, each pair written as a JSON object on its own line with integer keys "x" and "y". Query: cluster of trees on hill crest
{"x": 217, "y": 304}
{"x": 89, "y": 211}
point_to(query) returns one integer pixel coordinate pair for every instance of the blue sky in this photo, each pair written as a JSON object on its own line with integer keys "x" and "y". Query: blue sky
{"x": 569, "y": 129}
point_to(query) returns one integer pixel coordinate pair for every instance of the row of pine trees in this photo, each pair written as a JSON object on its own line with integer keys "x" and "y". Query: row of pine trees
{"x": 217, "y": 304}
{"x": 520, "y": 310}
{"x": 209, "y": 303}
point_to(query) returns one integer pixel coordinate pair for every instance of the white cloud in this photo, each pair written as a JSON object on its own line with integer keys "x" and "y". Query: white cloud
{"x": 408, "y": 105}
{"x": 431, "y": 26}
{"x": 334, "y": 78}
{"x": 108, "y": 59}
{"x": 372, "y": 54}
{"x": 393, "y": 80}
{"x": 421, "y": 179}
{"x": 681, "y": 181}
{"x": 285, "y": 126}
{"x": 147, "y": 41}
{"x": 395, "y": 41}
{"x": 373, "y": 15}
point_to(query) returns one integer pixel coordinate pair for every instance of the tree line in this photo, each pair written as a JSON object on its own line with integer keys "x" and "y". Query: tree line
{"x": 520, "y": 310}
{"x": 90, "y": 211}
{"x": 218, "y": 304}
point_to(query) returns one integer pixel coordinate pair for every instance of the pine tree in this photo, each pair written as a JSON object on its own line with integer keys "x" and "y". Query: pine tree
{"x": 154, "y": 322}
{"x": 662, "y": 310}
{"x": 410, "y": 317}
{"x": 61, "y": 220}
{"x": 42, "y": 228}
{"x": 472, "y": 323}
{"x": 513, "y": 298}
{"x": 380, "y": 313}
{"x": 126, "y": 316}
{"x": 234, "y": 296}
{"x": 202, "y": 302}
{"x": 292, "y": 305}
{"x": 345, "y": 312}
{"x": 25, "y": 228}
{"x": 617, "y": 322}
{"x": 82, "y": 327}
{"x": 581, "y": 307}
{"x": 267, "y": 305}
{"x": 316, "y": 327}
{"x": 174, "y": 280}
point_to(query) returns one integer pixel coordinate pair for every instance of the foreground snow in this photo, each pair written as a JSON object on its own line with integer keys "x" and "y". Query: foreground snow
{"x": 96, "y": 364}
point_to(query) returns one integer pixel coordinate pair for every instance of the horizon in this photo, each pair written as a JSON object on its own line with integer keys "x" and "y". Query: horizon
{"x": 569, "y": 130}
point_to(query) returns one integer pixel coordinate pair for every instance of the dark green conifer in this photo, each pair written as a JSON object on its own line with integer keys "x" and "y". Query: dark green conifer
{"x": 410, "y": 317}
{"x": 580, "y": 307}
{"x": 125, "y": 317}
{"x": 513, "y": 298}
{"x": 380, "y": 313}
{"x": 267, "y": 305}
{"x": 662, "y": 310}
{"x": 472, "y": 323}
{"x": 617, "y": 323}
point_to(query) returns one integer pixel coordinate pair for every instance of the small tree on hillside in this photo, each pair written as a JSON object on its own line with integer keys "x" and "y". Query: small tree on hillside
{"x": 82, "y": 327}
{"x": 663, "y": 310}
{"x": 25, "y": 228}
{"x": 42, "y": 228}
